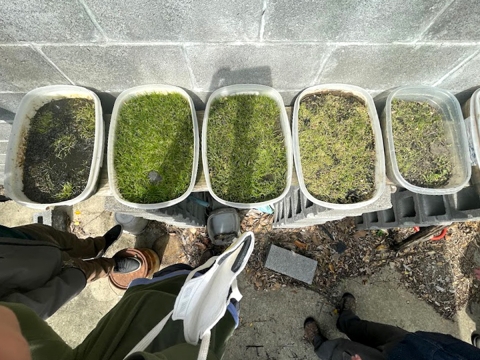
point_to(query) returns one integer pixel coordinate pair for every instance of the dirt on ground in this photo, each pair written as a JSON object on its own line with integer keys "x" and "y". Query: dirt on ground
{"x": 439, "y": 272}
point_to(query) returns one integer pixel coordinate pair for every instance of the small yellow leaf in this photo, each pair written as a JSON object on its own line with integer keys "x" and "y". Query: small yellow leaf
{"x": 330, "y": 266}
{"x": 76, "y": 223}
{"x": 77, "y": 212}
{"x": 382, "y": 247}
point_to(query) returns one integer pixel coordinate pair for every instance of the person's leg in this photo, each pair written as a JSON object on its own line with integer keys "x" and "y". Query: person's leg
{"x": 367, "y": 332}
{"x": 94, "y": 269}
{"x": 376, "y": 335}
{"x": 70, "y": 243}
{"x": 337, "y": 349}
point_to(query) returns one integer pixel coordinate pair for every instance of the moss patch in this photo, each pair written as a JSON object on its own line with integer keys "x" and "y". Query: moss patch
{"x": 421, "y": 146}
{"x": 153, "y": 153}
{"x": 337, "y": 148}
{"x": 59, "y": 150}
{"x": 246, "y": 150}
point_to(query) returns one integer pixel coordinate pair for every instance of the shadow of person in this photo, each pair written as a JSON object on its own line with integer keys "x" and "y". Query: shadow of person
{"x": 155, "y": 237}
{"x": 107, "y": 99}
{"x": 471, "y": 260}
{"x": 6, "y": 115}
{"x": 225, "y": 76}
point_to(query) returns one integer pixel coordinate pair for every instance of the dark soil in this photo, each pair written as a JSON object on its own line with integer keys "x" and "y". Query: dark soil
{"x": 337, "y": 147}
{"x": 422, "y": 149}
{"x": 59, "y": 150}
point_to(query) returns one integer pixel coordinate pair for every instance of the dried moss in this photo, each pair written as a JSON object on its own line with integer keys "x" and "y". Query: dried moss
{"x": 421, "y": 146}
{"x": 337, "y": 148}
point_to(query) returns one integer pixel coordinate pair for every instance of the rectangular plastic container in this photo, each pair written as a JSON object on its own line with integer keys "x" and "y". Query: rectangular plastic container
{"x": 380, "y": 179}
{"x": 249, "y": 89}
{"x": 122, "y": 98}
{"x": 29, "y": 105}
{"x": 471, "y": 112}
{"x": 448, "y": 106}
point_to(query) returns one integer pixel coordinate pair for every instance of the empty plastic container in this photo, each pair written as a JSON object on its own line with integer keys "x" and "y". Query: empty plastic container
{"x": 454, "y": 125}
{"x": 377, "y": 134}
{"x": 27, "y": 109}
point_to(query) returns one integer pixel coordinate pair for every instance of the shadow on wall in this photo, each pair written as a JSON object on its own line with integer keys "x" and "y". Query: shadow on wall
{"x": 107, "y": 99}
{"x": 6, "y": 115}
{"x": 257, "y": 75}
{"x": 464, "y": 95}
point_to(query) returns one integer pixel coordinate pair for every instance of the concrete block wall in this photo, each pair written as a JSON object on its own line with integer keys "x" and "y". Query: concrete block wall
{"x": 201, "y": 45}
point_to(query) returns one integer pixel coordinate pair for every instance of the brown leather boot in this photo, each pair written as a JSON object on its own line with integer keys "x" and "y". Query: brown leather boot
{"x": 311, "y": 329}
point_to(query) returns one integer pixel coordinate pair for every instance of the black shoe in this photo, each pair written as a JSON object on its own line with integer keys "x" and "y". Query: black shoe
{"x": 476, "y": 339}
{"x": 126, "y": 265}
{"x": 110, "y": 236}
{"x": 348, "y": 302}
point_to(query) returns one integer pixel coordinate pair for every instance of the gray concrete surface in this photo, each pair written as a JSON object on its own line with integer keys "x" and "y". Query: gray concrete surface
{"x": 118, "y": 67}
{"x": 384, "y": 67}
{"x": 139, "y": 20}
{"x": 274, "y": 319}
{"x": 46, "y": 21}
{"x": 291, "y": 264}
{"x": 23, "y": 69}
{"x": 380, "y": 20}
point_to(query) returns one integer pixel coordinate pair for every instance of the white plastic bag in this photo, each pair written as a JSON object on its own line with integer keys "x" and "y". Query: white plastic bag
{"x": 203, "y": 300}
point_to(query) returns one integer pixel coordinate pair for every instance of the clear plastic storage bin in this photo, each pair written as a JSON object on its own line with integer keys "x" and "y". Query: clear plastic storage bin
{"x": 27, "y": 109}
{"x": 454, "y": 124}
{"x": 122, "y": 98}
{"x": 380, "y": 180}
{"x": 471, "y": 112}
{"x": 249, "y": 89}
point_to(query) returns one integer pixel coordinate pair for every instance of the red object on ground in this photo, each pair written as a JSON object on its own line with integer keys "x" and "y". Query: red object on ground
{"x": 434, "y": 238}
{"x": 440, "y": 236}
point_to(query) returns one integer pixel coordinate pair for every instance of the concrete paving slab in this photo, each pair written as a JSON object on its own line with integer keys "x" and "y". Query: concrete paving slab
{"x": 349, "y": 20}
{"x": 120, "y": 67}
{"x": 23, "y": 69}
{"x": 448, "y": 27}
{"x": 150, "y": 20}
{"x": 64, "y": 21}
{"x": 214, "y": 66}
{"x": 291, "y": 264}
{"x": 384, "y": 67}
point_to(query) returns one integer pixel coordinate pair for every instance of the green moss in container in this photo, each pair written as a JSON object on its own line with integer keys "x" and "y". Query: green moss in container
{"x": 337, "y": 147}
{"x": 246, "y": 149}
{"x": 154, "y": 148}
{"x": 421, "y": 146}
{"x": 59, "y": 150}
